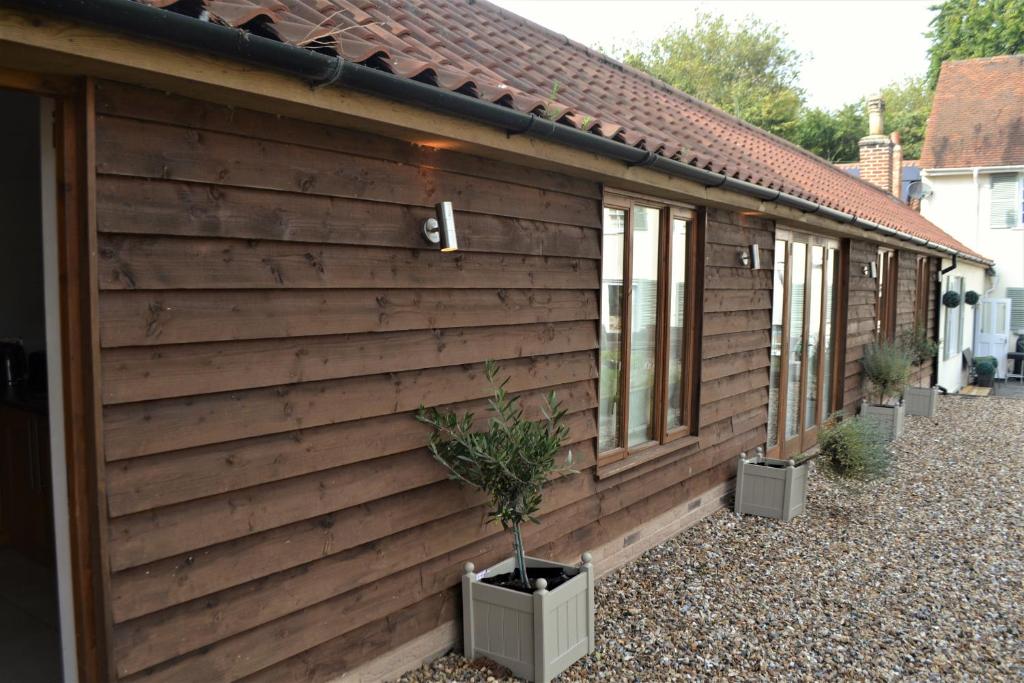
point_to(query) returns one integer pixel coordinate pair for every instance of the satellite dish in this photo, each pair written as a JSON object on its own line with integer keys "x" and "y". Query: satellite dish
{"x": 918, "y": 190}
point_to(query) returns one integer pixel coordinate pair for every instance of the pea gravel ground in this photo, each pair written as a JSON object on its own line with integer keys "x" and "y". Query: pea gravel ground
{"x": 919, "y": 577}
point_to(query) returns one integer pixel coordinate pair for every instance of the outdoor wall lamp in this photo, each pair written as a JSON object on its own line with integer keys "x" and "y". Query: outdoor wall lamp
{"x": 441, "y": 230}
{"x": 751, "y": 257}
{"x": 870, "y": 270}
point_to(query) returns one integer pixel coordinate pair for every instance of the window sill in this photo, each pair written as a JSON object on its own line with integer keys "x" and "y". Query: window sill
{"x": 646, "y": 455}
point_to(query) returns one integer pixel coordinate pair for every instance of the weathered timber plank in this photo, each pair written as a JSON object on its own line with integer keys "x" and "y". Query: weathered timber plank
{"x": 138, "y": 206}
{"x": 735, "y": 342}
{"x": 130, "y": 262}
{"x": 147, "y": 373}
{"x": 731, "y": 386}
{"x": 147, "y": 318}
{"x": 152, "y": 150}
{"x": 136, "y": 429}
{"x": 733, "y": 364}
{"x": 736, "y": 321}
{"x": 330, "y": 660}
{"x": 737, "y": 300}
{"x": 158, "y": 534}
{"x": 167, "y": 478}
{"x": 235, "y": 657}
{"x": 117, "y": 99}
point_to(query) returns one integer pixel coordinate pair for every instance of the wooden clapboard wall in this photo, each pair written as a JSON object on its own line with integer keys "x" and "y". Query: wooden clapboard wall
{"x": 861, "y": 314}
{"x": 270, "y": 319}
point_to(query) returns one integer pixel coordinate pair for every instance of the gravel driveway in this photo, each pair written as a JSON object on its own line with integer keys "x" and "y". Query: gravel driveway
{"x": 920, "y": 576}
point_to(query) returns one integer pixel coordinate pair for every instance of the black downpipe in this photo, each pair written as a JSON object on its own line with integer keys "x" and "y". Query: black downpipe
{"x": 321, "y": 70}
{"x": 938, "y": 317}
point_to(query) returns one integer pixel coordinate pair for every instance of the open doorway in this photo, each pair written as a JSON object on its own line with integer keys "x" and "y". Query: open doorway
{"x": 34, "y": 581}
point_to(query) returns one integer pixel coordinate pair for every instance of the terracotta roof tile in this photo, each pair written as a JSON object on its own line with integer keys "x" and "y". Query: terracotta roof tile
{"x": 977, "y": 115}
{"x": 481, "y": 50}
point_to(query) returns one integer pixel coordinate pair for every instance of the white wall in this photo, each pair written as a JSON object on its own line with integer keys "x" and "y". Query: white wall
{"x": 960, "y": 205}
{"x": 952, "y": 374}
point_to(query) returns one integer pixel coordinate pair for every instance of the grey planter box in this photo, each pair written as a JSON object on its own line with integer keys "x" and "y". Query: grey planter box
{"x": 770, "y": 488}
{"x": 920, "y": 401}
{"x": 535, "y": 636}
{"x": 888, "y": 418}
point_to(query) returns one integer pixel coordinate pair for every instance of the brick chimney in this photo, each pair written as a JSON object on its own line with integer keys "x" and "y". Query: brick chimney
{"x": 881, "y": 155}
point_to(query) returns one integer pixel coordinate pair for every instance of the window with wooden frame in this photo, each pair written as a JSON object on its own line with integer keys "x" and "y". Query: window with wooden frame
{"x": 885, "y": 307}
{"x": 921, "y": 295}
{"x": 651, "y": 307}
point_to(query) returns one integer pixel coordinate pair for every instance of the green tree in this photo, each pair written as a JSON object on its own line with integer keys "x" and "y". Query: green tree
{"x": 746, "y": 69}
{"x": 907, "y": 106}
{"x": 834, "y": 135}
{"x": 964, "y": 29}
{"x": 831, "y": 135}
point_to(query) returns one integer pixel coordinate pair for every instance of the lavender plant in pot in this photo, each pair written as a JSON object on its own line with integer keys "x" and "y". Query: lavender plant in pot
{"x": 919, "y": 400}
{"x": 533, "y": 616}
{"x": 887, "y": 369}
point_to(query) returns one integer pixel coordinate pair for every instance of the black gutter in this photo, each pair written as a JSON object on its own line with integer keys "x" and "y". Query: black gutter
{"x": 321, "y": 70}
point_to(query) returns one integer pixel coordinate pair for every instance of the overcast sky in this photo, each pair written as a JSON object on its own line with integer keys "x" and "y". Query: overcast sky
{"x": 841, "y": 39}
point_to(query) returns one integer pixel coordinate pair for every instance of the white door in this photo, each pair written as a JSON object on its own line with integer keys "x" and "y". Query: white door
{"x": 992, "y": 331}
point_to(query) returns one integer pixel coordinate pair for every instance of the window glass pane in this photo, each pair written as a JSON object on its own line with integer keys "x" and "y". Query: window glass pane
{"x": 676, "y": 325}
{"x": 778, "y": 299}
{"x": 828, "y": 340}
{"x": 643, "y": 335}
{"x": 609, "y": 404}
{"x": 798, "y": 278}
{"x": 999, "y": 326}
{"x": 813, "y": 335}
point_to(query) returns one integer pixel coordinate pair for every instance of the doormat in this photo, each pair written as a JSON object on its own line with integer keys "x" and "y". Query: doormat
{"x": 972, "y": 390}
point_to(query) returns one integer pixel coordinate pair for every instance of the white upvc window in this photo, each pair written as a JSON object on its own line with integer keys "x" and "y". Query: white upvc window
{"x": 1006, "y": 204}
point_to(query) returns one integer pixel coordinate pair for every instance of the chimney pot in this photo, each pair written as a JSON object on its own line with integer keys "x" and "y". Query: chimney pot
{"x": 876, "y": 115}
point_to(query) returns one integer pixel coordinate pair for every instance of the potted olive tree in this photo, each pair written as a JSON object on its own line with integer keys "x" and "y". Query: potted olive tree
{"x": 920, "y": 348}
{"x": 532, "y": 616}
{"x": 886, "y": 369}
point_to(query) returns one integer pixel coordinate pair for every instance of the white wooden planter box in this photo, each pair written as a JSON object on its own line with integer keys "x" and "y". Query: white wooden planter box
{"x": 888, "y": 418}
{"x": 535, "y": 636}
{"x": 770, "y": 488}
{"x": 920, "y": 401}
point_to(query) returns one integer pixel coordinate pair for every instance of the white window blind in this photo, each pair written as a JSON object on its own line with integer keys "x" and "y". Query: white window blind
{"x": 1007, "y": 203}
{"x": 1016, "y": 296}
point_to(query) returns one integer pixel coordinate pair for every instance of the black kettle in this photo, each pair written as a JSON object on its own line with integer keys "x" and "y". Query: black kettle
{"x": 13, "y": 362}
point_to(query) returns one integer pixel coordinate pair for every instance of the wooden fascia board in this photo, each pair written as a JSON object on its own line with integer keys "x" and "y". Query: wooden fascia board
{"x": 45, "y": 44}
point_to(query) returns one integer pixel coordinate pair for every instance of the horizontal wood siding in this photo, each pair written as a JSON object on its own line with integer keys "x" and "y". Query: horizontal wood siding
{"x": 862, "y": 315}
{"x": 270, "y": 321}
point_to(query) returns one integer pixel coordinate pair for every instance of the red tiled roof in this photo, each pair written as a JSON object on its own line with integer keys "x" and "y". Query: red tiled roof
{"x": 977, "y": 115}
{"x": 483, "y": 51}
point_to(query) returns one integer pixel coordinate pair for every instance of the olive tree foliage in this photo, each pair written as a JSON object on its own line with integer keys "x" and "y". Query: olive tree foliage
{"x": 965, "y": 29}
{"x": 510, "y": 461}
{"x": 745, "y": 69}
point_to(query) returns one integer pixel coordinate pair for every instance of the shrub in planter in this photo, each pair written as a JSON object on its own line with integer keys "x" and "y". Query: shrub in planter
{"x": 852, "y": 450}
{"x": 985, "y": 370}
{"x": 887, "y": 369}
{"x": 919, "y": 400}
{"x": 951, "y": 299}
{"x": 971, "y": 298}
{"x": 533, "y": 616}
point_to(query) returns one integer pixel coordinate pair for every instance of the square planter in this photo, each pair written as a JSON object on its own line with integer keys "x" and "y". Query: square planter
{"x": 888, "y": 418}
{"x": 920, "y": 401}
{"x": 770, "y": 488}
{"x": 535, "y": 636}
